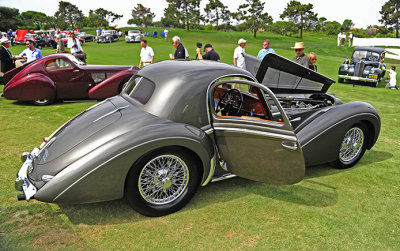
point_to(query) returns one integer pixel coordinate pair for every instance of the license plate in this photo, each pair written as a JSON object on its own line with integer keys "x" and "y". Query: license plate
{"x": 373, "y": 76}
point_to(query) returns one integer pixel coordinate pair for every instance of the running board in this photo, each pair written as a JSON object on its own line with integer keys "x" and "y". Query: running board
{"x": 224, "y": 177}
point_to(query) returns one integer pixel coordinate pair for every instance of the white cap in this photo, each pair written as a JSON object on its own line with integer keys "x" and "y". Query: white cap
{"x": 242, "y": 41}
{"x": 176, "y": 39}
{"x": 4, "y": 40}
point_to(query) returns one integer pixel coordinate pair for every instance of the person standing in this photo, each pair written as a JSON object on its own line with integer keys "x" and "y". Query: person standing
{"x": 238, "y": 58}
{"x": 211, "y": 54}
{"x": 60, "y": 44}
{"x": 31, "y": 53}
{"x": 146, "y": 54}
{"x": 265, "y": 50}
{"x": 351, "y": 37}
{"x": 166, "y": 33}
{"x": 6, "y": 58}
{"x": 312, "y": 56}
{"x": 76, "y": 49}
{"x": 180, "y": 49}
{"x": 300, "y": 57}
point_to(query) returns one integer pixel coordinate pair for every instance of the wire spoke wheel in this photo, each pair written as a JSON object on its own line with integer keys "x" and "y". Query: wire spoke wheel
{"x": 351, "y": 145}
{"x": 163, "y": 179}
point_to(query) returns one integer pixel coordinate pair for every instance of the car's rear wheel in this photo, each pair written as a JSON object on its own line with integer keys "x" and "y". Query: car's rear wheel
{"x": 162, "y": 182}
{"x": 352, "y": 148}
{"x": 340, "y": 80}
{"x": 43, "y": 102}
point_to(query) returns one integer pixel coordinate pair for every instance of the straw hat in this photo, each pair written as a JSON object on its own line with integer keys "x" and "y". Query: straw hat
{"x": 242, "y": 41}
{"x": 299, "y": 45}
{"x": 4, "y": 40}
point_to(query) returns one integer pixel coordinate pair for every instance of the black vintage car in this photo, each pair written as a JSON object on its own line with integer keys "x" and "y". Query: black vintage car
{"x": 108, "y": 36}
{"x": 366, "y": 66}
{"x": 87, "y": 37}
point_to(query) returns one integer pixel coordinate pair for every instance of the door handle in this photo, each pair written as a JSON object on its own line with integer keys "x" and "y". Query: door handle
{"x": 75, "y": 71}
{"x": 289, "y": 145}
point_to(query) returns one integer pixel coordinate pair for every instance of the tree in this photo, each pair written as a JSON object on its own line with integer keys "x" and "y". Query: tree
{"x": 7, "y": 17}
{"x": 300, "y": 14}
{"x": 391, "y": 15}
{"x": 186, "y": 11}
{"x": 33, "y": 19}
{"x": 102, "y": 17}
{"x": 68, "y": 14}
{"x": 284, "y": 28}
{"x": 252, "y": 13}
{"x": 347, "y": 24}
{"x": 215, "y": 11}
{"x": 333, "y": 27}
{"x": 321, "y": 24}
{"x": 141, "y": 16}
{"x": 171, "y": 17}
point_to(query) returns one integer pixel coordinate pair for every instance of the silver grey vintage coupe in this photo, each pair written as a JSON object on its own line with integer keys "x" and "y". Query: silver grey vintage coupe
{"x": 180, "y": 124}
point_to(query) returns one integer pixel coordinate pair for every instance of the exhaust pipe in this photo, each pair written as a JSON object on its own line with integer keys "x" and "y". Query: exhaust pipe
{"x": 21, "y": 197}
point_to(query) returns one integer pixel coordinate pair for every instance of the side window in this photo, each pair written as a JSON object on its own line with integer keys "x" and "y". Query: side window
{"x": 239, "y": 100}
{"x": 57, "y": 64}
{"x": 143, "y": 90}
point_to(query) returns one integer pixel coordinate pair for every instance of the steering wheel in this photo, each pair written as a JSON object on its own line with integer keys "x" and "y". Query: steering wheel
{"x": 234, "y": 99}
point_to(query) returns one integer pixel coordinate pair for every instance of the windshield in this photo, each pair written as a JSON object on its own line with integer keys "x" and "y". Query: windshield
{"x": 107, "y": 32}
{"x": 75, "y": 60}
{"x": 365, "y": 55}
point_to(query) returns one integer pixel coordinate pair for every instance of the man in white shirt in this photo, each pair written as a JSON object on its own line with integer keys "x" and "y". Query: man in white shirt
{"x": 238, "y": 58}
{"x": 392, "y": 81}
{"x": 76, "y": 49}
{"x": 166, "y": 33}
{"x": 146, "y": 54}
{"x": 31, "y": 53}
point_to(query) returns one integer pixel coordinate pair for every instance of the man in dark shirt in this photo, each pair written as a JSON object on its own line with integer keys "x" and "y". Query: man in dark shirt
{"x": 180, "y": 50}
{"x": 300, "y": 57}
{"x": 7, "y": 60}
{"x": 210, "y": 53}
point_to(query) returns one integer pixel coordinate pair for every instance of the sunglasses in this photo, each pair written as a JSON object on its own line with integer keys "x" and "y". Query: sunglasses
{"x": 298, "y": 49}
{"x": 314, "y": 59}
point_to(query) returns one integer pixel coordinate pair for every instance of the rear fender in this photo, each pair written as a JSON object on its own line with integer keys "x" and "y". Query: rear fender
{"x": 31, "y": 87}
{"x": 321, "y": 138}
{"x": 109, "y": 87}
{"x": 101, "y": 174}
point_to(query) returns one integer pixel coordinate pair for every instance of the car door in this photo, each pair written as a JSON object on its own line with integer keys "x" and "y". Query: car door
{"x": 70, "y": 80}
{"x": 260, "y": 143}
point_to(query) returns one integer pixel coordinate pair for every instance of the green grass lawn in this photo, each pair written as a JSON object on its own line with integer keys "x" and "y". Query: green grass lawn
{"x": 353, "y": 209}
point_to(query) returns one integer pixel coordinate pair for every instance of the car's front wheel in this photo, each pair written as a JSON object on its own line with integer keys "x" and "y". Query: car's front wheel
{"x": 162, "y": 182}
{"x": 352, "y": 148}
{"x": 43, "y": 102}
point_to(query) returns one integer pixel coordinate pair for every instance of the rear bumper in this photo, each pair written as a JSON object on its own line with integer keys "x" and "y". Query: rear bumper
{"x": 372, "y": 80}
{"x": 22, "y": 182}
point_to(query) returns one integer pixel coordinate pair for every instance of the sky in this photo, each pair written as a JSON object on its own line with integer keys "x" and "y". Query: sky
{"x": 362, "y": 12}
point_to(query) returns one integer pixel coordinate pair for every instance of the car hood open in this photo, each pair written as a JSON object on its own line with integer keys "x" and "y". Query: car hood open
{"x": 284, "y": 76}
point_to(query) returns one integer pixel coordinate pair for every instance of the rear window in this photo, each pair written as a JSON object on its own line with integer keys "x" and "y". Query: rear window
{"x": 140, "y": 89}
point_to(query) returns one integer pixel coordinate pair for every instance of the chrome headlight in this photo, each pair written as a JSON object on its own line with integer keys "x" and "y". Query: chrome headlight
{"x": 373, "y": 70}
{"x": 346, "y": 67}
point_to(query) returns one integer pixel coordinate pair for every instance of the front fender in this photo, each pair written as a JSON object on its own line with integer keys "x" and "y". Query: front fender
{"x": 101, "y": 174}
{"x": 110, "y": 86}
{"x": 321, "y": 138}
{"x": 31, "y": 87}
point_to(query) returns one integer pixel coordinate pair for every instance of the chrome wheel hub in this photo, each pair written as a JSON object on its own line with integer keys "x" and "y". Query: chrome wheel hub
{"x": 351, "y": 145}
{"x": 163, "y": 179}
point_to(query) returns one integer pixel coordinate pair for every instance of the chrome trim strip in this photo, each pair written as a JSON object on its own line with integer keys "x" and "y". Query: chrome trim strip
{"x": 268, "y": 134}
{"x": 22, "y": 181}
{"x": 335, "y": 125}
{"x": 212, "y": 170}
{"x": 108, "y": 114}
{"x": 357, "y": 78}
{"x": 209, "y": 131}
{"x": 224, "y": 177}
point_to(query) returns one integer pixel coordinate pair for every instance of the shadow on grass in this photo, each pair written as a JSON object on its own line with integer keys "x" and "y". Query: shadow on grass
{"x": 308, "y": 193}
